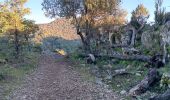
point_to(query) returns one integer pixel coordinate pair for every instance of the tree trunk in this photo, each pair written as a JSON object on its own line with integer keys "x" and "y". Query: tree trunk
{"x": 135, "y": 31}
{"x": 83, "y": 39}
{"x": 16, "y": 42}
{"x": 164, "y": 53}
{"x": 143, "y": 86}
{"x": 133, "y": 38}
{"x": 27, "y": 43}
{"x": 88, "y": 37}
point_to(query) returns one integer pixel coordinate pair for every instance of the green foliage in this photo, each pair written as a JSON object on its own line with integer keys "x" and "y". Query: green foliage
{"x": 13, "y": 24}
{"x": 165, "y": 80}
{"x": 84, "y": 14}
{"x": 160, "y": 13}
{"x": 140, "y": 11}
{"x": 168, "y": 49}
{"x": 12, "y": 13}
{"x": 167, "y": 16}
{"x": 30, "y": 28}
{"x": 37, "y": 48}
{"x": 13, "y": 73}
{"x": 2, "y": 76}
{"x": 87, "y": 10}
{"x": 139, "y": 16}
{"x": 53, "y": 43}
{"x": 70, "y": 8}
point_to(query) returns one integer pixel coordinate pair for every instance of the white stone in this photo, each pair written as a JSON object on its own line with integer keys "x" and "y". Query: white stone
{"x": 138, "y": 74}
{"x": 123, "y": 92}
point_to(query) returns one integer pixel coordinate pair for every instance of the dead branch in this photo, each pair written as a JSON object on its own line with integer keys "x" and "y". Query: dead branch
{"x": 143, "y": 86}
{"x": 143, "y": 58}
{"x": 121, "y": 72}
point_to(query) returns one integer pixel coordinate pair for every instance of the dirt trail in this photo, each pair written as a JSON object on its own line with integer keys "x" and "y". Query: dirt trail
{"x": 55, "y": 79}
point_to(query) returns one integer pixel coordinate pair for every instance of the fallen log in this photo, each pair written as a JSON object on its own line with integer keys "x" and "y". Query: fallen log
{"x": 120, "y": 46}
{"x": 122, "y": 57}
{"x": 164, "y": 96}
{"x": 143, "y": 86}
{"x": 121, "y": 72}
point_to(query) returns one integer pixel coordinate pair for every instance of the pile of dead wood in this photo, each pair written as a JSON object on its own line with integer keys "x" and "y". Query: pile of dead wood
{"x": 153, "y": 76}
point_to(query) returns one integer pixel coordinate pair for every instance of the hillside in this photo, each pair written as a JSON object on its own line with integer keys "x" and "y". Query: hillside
{"x": 59, "y": 28}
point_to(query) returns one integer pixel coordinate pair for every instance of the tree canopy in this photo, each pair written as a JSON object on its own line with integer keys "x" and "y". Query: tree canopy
{"x": 12, "y": 22}
{"x": 139, "y": 16}
{"x": 86, "y": 14}
{"x": 12, "y": 13}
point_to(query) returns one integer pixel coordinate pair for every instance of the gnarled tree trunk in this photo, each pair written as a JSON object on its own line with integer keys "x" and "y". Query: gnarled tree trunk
{"x": 133, "y": 38}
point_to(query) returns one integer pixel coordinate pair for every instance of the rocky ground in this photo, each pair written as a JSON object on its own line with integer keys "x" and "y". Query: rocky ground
{"x": 56, "y": 79}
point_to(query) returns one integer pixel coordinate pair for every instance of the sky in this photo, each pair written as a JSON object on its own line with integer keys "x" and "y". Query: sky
{"x": 36, "y": 12}
{"x": 129, "y": 5}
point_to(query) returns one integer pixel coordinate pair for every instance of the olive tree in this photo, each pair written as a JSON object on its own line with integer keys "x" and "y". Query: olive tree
{"x": 85, "y": 13}
{"x": 13, "y": 24}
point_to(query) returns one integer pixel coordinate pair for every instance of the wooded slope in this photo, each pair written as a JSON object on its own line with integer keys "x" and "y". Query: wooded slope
{"x": 59, "y": 28}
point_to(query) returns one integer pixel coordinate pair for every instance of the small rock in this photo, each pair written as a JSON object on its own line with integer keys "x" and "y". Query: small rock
{"x": 114, "y": 61}
{"x": 120, "y": 70}
{"x": 138, "y": 74}
{"x": 90, "y": 59}
{"x": 99, "y": 81}
{"x": 24, "y": 97}
{"x": 107, "y": 66}
{"x": 110, "y": 66}
{"x": 123, "y": 92}
{"x": 109, "y": 77}
{"x": 129, "y": 66}
{"x": 83, "y": 65}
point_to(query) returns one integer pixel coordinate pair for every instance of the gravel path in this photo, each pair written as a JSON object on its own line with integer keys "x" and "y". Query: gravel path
{"x": 57, "y": 80}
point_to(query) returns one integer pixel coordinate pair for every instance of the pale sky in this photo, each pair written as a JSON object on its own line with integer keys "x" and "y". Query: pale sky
{"x": 129, "y": 5}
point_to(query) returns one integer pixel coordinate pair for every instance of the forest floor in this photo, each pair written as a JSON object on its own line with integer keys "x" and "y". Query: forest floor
{"x": 57, "y": 79}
